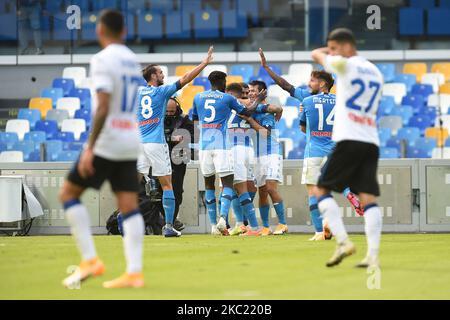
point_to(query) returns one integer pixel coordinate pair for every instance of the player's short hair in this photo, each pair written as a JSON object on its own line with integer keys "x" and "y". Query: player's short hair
{"x": 217, "y": 78}
{"x": 244, "y": 85}
{"x": 148, "y": 71}
{"x": 342, "y": 35}
{"x": 236, "y": 88}
{"x": 260, "y": 84}
{"x": 325, "y": 76}
{"x": 113, "y": 21}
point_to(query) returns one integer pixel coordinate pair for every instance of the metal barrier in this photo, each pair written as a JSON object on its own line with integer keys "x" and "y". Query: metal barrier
{"x": 414, "y": 197}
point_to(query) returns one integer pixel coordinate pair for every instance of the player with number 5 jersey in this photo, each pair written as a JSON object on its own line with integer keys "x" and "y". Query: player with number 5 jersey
{"x": 152, "y": 103}
{"x": 354, "y": 161}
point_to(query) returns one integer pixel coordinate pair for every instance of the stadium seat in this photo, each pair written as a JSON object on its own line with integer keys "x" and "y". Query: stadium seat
{"x": 433, "y": 79}
{"x": 384, "y": 134}
{"x": 439, "y": 135}
{"x": 389, "y": 153}
{"x": 421, "y": 122}
{"x": 202, "y": 81}
{"x": 206, "y": 24}
{"x": 64, "y": 136}
{"x": 84, "y": 136}
{"x": 406, "y": 112}
{"x": 427, "y": 144}
{"x": 441, "y": 153}
{"x": 388, "y": 71}
{"x": 415, "y": 101}
{"x": 423, "y": 89}
{"x": 9, "y": 138}
{"x": 178, "y": 25}
{"x": 53, "y": 148}
{"x": 430, "y": 112}
{"x": 187, "y": 98}
{"x": 11, "y": 156}
{"x": 275, "y": 68}
{"x": 3, "y": 146}
{"x": 50, "y": 127}
{"x": 439, "y": 100}
{"x": 392, "y": 122}
{"x": 408, "y": 79}
{"x": 84, "y": 114}
{"x": 182, "y": 70}
{"x": 77, "y": 74}
{"x": 234, "y": 79}
{"x": 438, "y": 22}
{"x": 76, "y": 126}
{"x": 387, "y": 104}
{"x": 34, "y": 156}
{"x": 84, "y": 95}
{"x": 445, "y": 121}
{"x": 67, "y": 156}
{"x": 293, "y": 102}
{"x": 276, "y": 91}
{"x": 249, "y": 8}
{"x": 301, "y": 71}
{"x": 396, "y": 90}
{"x": 31, "y": 115}
{"x": 296, "y": 154}
{"x": 66, "y": 84}
{"x": 409, "y": 134}
{"x": 289, "y": 115}
{"x": 37, "y": 137}
{"x": 397, "y": 143}
{"x": 52, "y": 93}
{"x": 411, "y": 22}
{"x": 86, "y": 83}
{"x": 414, "y": 152}
{"x": 41, "y": 104}
{"x": 234, "y": 25}
{"x": 267, "y": 79}
{"x": 244, "y": 70}
{"x": 149, "y": 25}
{"x": 417, "y": 69}
{"x": 442, "y": 67}
{"x": 58, "y": 115}
{"x": 26, "y": 146}
{"x": 74, "y": 146}
{"x": 445, "y": 88}
{"x": 213, "y": 67}
{"x": 69, "y": 104}
{"x": 19, "y": 126}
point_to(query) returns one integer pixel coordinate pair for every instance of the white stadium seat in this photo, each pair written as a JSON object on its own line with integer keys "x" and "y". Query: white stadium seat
{"x": 69, "y": 104}
{"x": 86, "y": 83}
{"x": 78, "y": 74}
{"x": 290, "y": 114}
{"x": 296, "y": 80}
{"x": 276, "y": 91}
{"x": 18, "y": 126}
{"x": 165, "y": 70}
{"x": 214, "y": 67}
{"x": 439, "y": 100}
{"x": 396, "y": 90}
{"x": 445, "y": 121}
{"x": 11, "y": 156}
{"x": 77, "y": 126}
{"x": 439, "y": 153}
{"x": 434, "y": 79}
{"x": 301, "y": 72}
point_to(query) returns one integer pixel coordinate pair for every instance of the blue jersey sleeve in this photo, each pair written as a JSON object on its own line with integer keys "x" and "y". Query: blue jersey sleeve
{"x": 268, "y": 121}
{"x": 300, "y": 93}
{"x": 171, "y": 89}
{"x": 303, "y": 116}
{"x": 234, "y": 104}
{"x": 261, "y": 108}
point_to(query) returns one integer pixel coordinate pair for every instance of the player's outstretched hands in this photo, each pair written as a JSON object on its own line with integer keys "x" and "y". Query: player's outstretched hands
{"x": 263, "y": 58}
{"x": 262, "y": 95}
{"x": 209, "y": 57}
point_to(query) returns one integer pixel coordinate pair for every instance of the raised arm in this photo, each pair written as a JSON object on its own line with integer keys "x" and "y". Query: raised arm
{"x": 277, "y": 110}
{"x": 319, "y": 55}
{"x": 278, "y": 80}
{"x": 189, "y": 76}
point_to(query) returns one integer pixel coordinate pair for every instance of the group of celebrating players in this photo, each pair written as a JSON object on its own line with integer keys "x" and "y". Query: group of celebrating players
{"x": 238, "y": 142}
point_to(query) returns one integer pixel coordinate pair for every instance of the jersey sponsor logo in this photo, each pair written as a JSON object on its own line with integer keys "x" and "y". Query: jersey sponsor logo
{"x": 211, "y": 125}
{"x": 123, "y": 124}
{"x": 149, "y": 121}
{"x": 362, "y": 120}
{"x": 321, "y": 134}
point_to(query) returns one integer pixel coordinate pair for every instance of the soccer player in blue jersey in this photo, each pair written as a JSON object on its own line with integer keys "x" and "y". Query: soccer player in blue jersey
{"x": 240, "y": 136}
{"x": 316, "y": 120}
{"x": 269, "y": 163}
{"x": 212, "y": 109}
{"x": 298, "y": 93}
{"x": 152, "y": 103}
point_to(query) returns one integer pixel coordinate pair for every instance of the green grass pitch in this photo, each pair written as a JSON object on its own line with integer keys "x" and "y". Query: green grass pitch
{"x": 414, "y": 266}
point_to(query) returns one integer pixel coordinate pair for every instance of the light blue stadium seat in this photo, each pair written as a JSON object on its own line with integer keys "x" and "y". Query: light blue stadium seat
{"x": 64, "y": 83}
{"x": 384, "y": 134}
{"x": 411, "y": 22}
{"x": 37, "y": 137}
{"x": 396, "y": 143}
{"x": 438, "y": 22}
{"x": 149, "y": 25}
{"x": 67, "y": 156}
{"x": 447, "y": 142}
{"x": 387, "y": 103}
{"x": 26, "y": 146}
{"x": 422, "y": 89}
{"x": 410, "y": 134}
{"x": 388, "y": 71}
{"x": 389, "y": 153}
{"x": 50, "y": 127}
{"x": 3, "y": 147}
{"x": 64, "y": 136}
{"x": 53, "y": 93}
{"x": 32, "y": 115}
{"x": 413, "y": 152}
{"x": 406, "y": 112}
{"x": 234, "y": 25}
{"x": 53, "y": 148}
{"x": 206, "y": 24}
{"x": 408, "y": 79}
{"x": 296, "y": 154}
{"x": 9, "y": 138}
{"x": 74, "y": 146}
{"x": 244, "y": 70}
{"x": 202, "y": 81}
{"x": 427, "y": 144}
{"x": 34, "y": 156}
